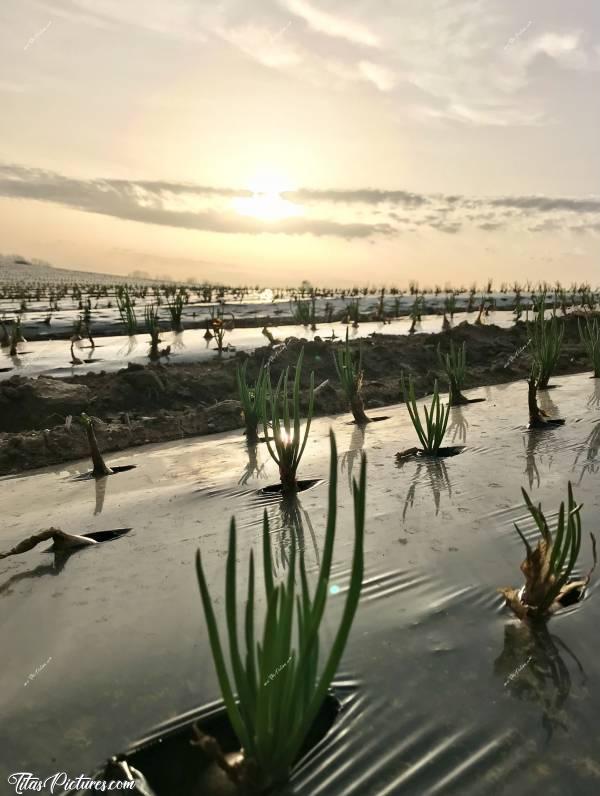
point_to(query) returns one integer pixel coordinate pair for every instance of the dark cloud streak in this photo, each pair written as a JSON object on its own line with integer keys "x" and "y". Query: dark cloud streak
{"x": 154, "y": 202}
{"x": 369, "y": 196}
{"x": 120, "y": 199}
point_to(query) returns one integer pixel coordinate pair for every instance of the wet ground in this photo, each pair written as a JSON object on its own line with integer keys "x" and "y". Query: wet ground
{"x": 53, "y": 357}
{"x": 454, "y": 696}
{"x": 159, "y": 402}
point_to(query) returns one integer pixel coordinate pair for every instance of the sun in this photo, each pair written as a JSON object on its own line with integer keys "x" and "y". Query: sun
{"x": 266, "y": 202}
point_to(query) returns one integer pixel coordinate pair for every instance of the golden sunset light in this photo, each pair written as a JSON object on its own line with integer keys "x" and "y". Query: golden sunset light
{"x": 266, "y": 202}
{"x": 300, "y": 397}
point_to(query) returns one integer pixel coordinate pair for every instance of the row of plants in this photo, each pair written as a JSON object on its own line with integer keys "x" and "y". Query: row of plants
{"x": 279, "y": 413}
{"x": 303, "y": 299}
{"x": 273, "y": 715}
{"x": 544, "y": 343}
{"x": 175, "y": 301}
{"x": 25, "y": 290}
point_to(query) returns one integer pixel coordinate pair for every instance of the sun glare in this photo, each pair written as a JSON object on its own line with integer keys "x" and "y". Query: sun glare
{"x": 266, "y": 202}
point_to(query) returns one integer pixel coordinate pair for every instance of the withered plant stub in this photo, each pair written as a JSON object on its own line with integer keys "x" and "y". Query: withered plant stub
{"x": 548, "y": 567}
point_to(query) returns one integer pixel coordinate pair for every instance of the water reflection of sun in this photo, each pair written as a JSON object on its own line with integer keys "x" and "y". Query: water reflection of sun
{"x": 266, "y": 202}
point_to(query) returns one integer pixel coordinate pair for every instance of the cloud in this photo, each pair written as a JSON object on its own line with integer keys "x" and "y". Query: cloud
{"x": 545, "y": 204}
{"x": 182, "y": 19}
{"x": 566, "y": 49}
{"x": 146, "y": 202}
{"x": 483, "y": 116}
{"x": 380, "y": 76}
{"x": 352, "y": 213}
{"x": 332, "y": 25}
{"x": 468, "y": 62}
{"x": 489, "y": 226}
{"x": 363, "y": 195}
{"x": 268, "y": 47}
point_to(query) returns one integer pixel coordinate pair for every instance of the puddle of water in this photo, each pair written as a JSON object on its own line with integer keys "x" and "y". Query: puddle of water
{"x": 455, "y": 695}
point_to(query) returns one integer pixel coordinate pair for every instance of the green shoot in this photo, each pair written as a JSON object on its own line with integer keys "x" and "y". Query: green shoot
{"x": 175, "y": 308}
{"x": 126, "y": 309}
{"x": 252, "y": 399}
{"x": 301, "y": 311}
{"x": 546, "y": 343}
{"x": 436, "y": 418}
{"x": 454, "y": 365}
{"x": 287, "y": 445}
{"x": 450, "y": 305}
{"x": 590, "y": 337}
{"x": 273, "y": 690}
{"x": 350, "y": 373}
{"x": 5, "y": 337}
{"x": 353, "y": 313}
{"x": 380, "y": 312}
{"x": 217, "y": 324}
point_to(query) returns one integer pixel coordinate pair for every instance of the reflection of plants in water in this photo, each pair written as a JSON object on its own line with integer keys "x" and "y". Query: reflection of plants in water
{"x": 531, "y": 468}
{"x": 357, "y": 440}
{"x": 547, "y": 404}
{"x": 252, "y": 467}
{"x": 64, "y": 545}
{"x": 439, "y": 480}
{"x": 126, "y": 350}
{"x": 272, "y": 719}
{"x": 177, "y": 343}
{"x": 75, "y": 360}
{"x": 533, "y": 670}
{"x": 100, "y": 487}
{"x": 458, "y": 424}
{"x": 538, "y": 416}
{"x": 292, "y": 517}
{"x": 54, "y": 568}
{"x": 593, "y": 401}
{"x": 591, "y": 446}
{"x": 548, "y": 567}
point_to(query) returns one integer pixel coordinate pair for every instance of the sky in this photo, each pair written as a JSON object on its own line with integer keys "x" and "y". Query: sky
{"x": 274, "y": 141}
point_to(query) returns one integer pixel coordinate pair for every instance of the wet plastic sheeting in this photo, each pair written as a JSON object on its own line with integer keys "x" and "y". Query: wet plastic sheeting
{"x": 53, "y": 357}
{"x": 455, "y": 697}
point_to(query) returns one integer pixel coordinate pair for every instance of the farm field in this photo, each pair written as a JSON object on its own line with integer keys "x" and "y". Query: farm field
{"x": 299, "y": 398}
{"x": 439, "y": 541}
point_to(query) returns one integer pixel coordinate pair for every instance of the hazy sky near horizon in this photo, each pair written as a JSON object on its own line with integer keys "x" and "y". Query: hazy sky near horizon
{"x": 278, "y": 140}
